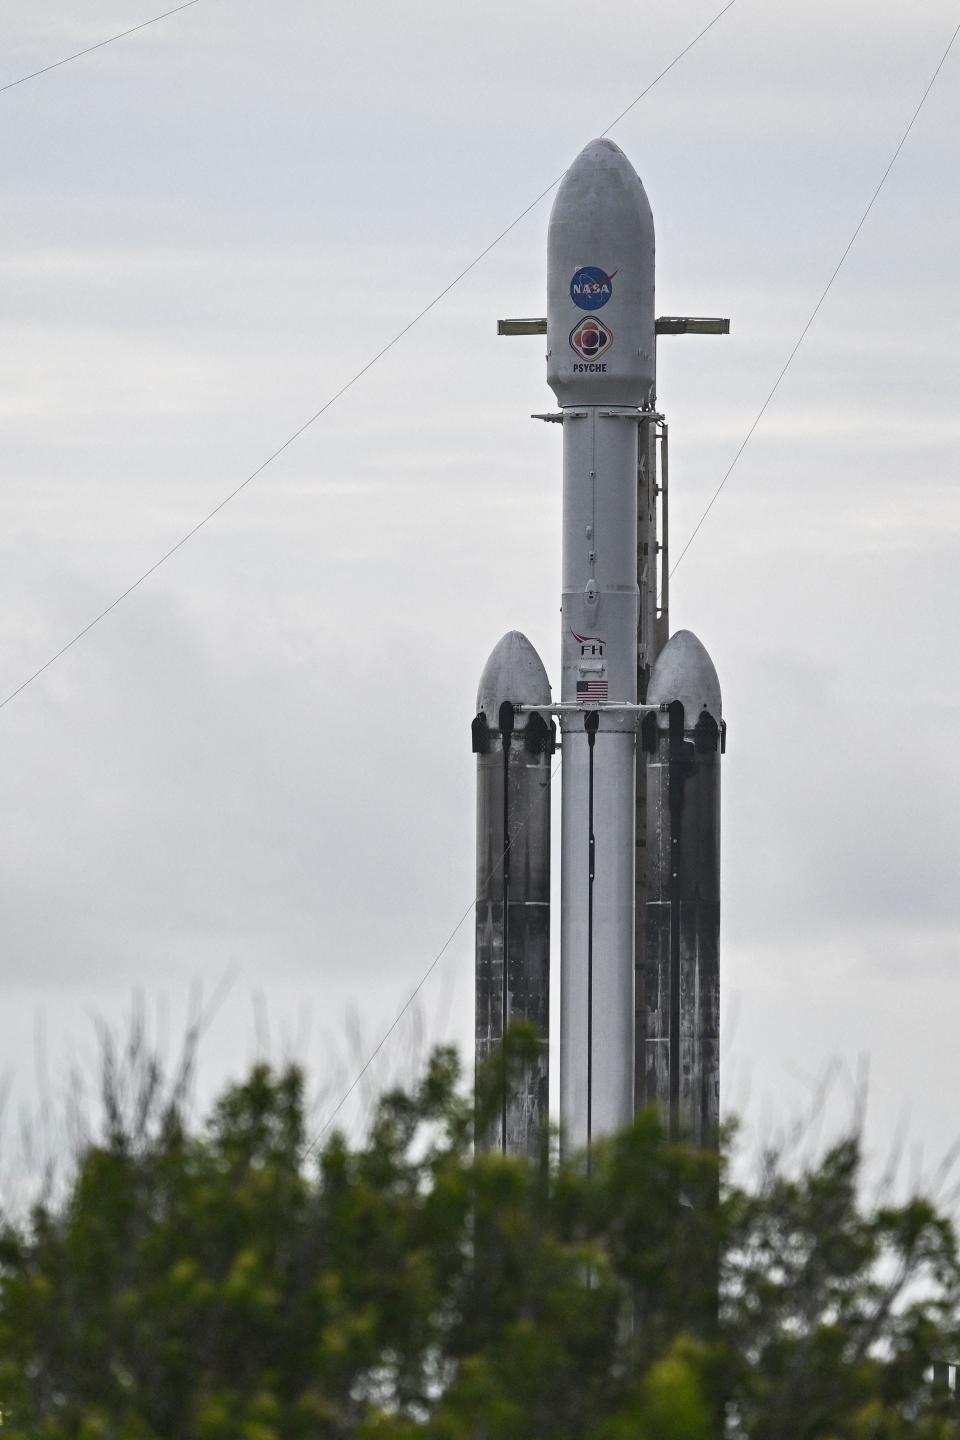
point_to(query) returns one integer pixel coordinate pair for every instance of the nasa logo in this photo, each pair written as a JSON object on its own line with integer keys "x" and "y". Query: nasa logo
{"x": 590, "y": 338}
{"x": 591, "y": 288}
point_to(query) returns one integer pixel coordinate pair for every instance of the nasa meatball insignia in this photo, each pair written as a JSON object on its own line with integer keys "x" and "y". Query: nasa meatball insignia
{"x": 591, "y": 287}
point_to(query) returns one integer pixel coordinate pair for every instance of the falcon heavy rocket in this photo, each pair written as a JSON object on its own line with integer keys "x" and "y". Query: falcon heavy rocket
{"x": 640, "y": 727}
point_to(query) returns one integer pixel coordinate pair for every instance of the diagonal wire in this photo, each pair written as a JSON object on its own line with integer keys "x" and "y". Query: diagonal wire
{"x": 389, "y": 1031}
{"x": 816, "y": 309}
{"x": 498, "y": 865}
{"x": 45, "y": 69}
{"x": 665, "y": 71}
{"x": 168, "y": 554}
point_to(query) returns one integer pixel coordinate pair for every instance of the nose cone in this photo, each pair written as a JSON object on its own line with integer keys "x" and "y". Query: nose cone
{"x": 601, "y": 346}
{"x": 513, "y": 672}
{"x": 685, "y": 672}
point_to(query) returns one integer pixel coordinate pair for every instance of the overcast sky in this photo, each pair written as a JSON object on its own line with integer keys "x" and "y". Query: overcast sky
{"x": 259, "y": 764}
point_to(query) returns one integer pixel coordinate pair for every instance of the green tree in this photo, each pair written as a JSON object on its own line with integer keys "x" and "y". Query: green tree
{"x": 218, "y": 1282}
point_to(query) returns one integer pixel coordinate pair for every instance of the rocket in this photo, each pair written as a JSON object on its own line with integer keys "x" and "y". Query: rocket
{"x": 640, "y": 736}
{"x": 514, "y": 757}
{"x": 682, "y": 738}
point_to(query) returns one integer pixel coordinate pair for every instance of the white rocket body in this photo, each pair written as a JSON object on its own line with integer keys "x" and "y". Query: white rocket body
{"x": 601, "y": 366}
{"x": 640, "y": 900}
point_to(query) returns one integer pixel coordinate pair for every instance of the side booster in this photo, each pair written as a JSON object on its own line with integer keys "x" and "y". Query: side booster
{"x": 514, "y": 753}
{"x": 683, "y": 741}
{"x": 601, "y": 355}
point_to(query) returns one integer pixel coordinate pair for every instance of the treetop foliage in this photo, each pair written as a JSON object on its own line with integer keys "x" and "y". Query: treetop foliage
{"x": 222, "y": 1281}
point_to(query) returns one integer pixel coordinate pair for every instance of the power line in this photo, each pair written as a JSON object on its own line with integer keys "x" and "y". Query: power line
{"x": 168, "y": 554}
{"x": 816, "y": 309}
{"x": 389, "y": 1031}
{"x": 45, "y": 69}
{"x": 426, "y": 975}
{"x": 665, "y": 71}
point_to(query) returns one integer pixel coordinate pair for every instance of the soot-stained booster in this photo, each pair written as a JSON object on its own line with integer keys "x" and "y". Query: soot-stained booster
{"x": 625, "y": 988}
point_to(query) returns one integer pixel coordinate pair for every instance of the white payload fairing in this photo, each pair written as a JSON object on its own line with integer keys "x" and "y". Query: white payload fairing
{"x": 634, "y": 987}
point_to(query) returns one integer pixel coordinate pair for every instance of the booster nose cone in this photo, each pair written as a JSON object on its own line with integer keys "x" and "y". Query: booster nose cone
{"x": 601, "y": 345}
{"x": 685, "y": 672}
{"x": 514, "y": 672}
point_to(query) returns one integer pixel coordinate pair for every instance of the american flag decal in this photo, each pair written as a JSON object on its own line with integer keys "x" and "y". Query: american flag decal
{"x": 593, "y": 690}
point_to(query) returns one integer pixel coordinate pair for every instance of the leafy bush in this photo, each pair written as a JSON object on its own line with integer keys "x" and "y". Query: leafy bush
{"x": 220, "y": 1282}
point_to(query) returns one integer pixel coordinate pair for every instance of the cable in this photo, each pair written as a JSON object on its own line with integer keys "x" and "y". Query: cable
{"x": 816, "y": 309}
{"x": 344, "y": 388}
{"x": 389, "y": 1031}
{"x": 424, "y": 977}
{"x": 665, "y": 71}
{"x": 99, "y": 46}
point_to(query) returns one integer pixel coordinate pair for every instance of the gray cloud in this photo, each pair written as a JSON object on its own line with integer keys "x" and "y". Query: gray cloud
{"x": 262, "y": 758}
